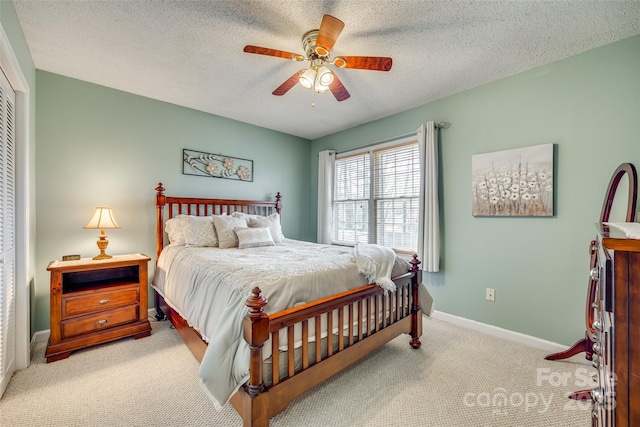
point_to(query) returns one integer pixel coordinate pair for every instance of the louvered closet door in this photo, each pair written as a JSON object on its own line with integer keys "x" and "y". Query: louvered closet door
{"x": 7, "y": 233}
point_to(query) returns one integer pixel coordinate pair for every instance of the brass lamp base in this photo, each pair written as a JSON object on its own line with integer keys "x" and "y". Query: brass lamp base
{"x": 102, "y": 245}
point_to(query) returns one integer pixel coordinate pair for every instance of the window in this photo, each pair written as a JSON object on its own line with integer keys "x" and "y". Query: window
{"x": 376, "y": 197}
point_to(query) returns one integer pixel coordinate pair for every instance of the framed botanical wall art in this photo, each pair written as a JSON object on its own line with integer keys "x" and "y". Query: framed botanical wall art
{"x": 216, "y": 165}
{"x": 517, "y": 182}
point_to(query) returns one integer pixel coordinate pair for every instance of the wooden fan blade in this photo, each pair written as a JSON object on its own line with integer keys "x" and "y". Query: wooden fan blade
{"x": 338, "y": 90}
{"x": 273, "y": 52}
{"x": 288, "y": 84}
{"x": 330, "y": 29}
{"x": 377, "y": 63}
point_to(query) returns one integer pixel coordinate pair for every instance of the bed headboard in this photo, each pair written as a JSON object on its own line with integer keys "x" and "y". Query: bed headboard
{"x": 172, "y": 206}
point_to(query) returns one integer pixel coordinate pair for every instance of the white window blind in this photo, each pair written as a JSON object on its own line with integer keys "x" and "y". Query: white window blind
{"x": 351, "y": 200}
{"x": 377, "y": 197}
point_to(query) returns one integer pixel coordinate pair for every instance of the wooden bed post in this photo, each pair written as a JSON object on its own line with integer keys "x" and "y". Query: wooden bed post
{"x": 278, "y": 202}
{"x": 256, "y": 333}
{"x": 160, "y": 202}
{"x": 416, "y": 312}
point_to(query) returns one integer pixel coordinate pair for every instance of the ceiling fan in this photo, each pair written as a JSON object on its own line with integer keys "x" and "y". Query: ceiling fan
{"x": 317, "y": 45}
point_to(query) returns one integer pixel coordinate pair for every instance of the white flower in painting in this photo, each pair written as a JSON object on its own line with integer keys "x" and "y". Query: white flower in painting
{"x": 244, "y": 173}
{"x": 228, "y": 164}
{"x": 533, "y": 184}
{"x": 506, "y": 180}
{"x": 213, "y": 168}
{"x": 482, "y": 185}
{"x": 526, "y": 196}
{"x": 492, "y": 191}
{"x": 506, "y": 194}
{"x": 494, "y": 200}
{"x": 483, "y": 197}
{"x": 543, "y": 175}
{"x": 514, "y": 196}
{"x": 515, "y": 187}
{"x": 492, "y": 181}
{"x": 534, "y": 197}
{"x": 523, "y": 183}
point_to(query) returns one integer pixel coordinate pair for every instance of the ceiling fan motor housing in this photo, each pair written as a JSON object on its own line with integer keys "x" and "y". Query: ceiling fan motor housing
{"x": 310, "y": 48}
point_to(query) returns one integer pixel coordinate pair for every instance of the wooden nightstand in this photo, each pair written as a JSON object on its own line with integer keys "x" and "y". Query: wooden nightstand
{"x": 95, "y": 301}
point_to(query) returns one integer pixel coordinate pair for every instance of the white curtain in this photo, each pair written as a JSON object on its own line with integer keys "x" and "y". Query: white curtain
{"x": 326, "y": 172}
{"x": 429, "y": 228}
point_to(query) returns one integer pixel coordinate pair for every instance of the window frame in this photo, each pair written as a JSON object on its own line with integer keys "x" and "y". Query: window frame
{"x": 371, "y": 200}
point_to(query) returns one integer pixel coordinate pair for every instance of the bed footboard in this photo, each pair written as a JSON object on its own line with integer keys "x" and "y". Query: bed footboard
{"x": 365, "y": 319}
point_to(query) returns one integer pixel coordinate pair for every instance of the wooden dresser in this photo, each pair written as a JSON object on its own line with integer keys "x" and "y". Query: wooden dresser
{"x": 95, "y": 301}
{"x": 616, "y": 399}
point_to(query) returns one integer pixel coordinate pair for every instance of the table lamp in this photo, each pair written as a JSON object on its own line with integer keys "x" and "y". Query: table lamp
{"x": 102, "y": 218}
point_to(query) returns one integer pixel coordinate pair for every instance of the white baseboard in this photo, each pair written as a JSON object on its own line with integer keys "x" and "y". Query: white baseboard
{"x": 40, "y": 336}
{"x": 496, "y": 331}
{"x": 531, "y": 341}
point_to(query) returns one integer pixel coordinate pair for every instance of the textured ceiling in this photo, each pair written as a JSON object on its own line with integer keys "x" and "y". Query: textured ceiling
{"x": 189, "y": 53}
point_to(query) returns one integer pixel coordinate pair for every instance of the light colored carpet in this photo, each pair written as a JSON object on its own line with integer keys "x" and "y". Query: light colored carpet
{"x": 455, "y": 379}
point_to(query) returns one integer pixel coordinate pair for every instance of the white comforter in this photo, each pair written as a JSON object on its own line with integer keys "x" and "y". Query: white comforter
{"x": 208, "y": 287}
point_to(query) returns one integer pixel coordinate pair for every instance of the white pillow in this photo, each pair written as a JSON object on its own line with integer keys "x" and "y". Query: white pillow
{"x": 246, "y": 216}
{"x": 199, "y": 231}
{"x": 174, "y": 228}
{"x": 225, "y": 225}
{"x": 272, "y": 222}
{"x": 253, "y": 237}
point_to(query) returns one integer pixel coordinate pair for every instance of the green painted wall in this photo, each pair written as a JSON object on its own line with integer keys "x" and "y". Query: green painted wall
{"x": 99, "y": 146}
{"x": 589, "y": 106}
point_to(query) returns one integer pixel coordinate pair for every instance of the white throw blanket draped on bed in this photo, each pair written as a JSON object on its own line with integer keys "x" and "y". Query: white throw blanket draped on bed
{"x": 208, "y": 287}
{"x": 375, "y": 264}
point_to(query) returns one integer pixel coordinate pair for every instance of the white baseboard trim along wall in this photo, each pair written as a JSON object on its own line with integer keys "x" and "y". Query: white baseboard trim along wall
{"x": 40, "y": 336}
{"x": 485, "y": 328}
{"x": 496, "y": 331}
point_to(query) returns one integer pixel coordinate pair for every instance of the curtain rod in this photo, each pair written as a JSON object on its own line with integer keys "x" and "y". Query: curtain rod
{"x": 439, "y": 125}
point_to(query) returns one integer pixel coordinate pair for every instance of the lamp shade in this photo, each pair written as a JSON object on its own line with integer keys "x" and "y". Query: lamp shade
{"x": 102, "y": 218}
{"x": 307, "y": 78}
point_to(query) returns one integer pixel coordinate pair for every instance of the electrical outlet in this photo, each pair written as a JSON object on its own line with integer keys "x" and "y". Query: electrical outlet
{"x": 491, "y": 294}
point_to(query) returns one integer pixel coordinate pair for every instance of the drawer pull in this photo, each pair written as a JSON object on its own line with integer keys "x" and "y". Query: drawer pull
{"x": 104, "y": 301}
{"x": 101, "y": 322}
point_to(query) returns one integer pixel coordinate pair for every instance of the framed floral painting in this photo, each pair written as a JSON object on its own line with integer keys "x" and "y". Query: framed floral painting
{"x": 517, "y": 182}
{"x": 216, "y": 165}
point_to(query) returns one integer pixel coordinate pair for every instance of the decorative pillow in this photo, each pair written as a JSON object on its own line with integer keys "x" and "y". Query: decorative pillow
{"x": 174, "y": 228}
{"x": 253, "y": 237}
{"x": 247, "y": 217}
{"x": 272, "y": 222}
{"x": 225, "y": 225}
{"x": 199, "y": 231}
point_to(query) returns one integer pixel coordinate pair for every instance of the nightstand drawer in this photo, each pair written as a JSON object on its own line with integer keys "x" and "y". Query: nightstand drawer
{"x": 103, "y": 320}
{"x": 83, "y": 304}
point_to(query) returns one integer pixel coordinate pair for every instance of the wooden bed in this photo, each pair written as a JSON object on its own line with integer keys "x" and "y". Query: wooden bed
{"x": 256, "y": 402}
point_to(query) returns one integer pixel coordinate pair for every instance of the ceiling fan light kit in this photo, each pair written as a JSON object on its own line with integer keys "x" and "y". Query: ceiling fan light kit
{"x": 317, "y": 45}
